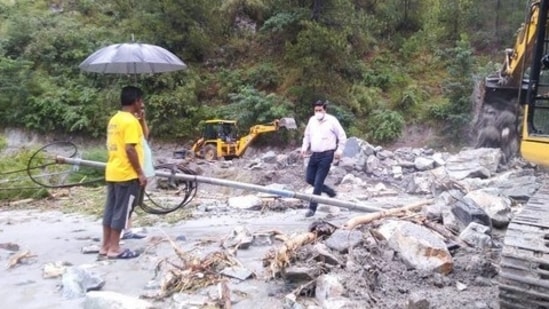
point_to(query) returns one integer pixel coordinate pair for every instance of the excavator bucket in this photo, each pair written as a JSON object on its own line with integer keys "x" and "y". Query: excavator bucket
{"x": 288, "y": 123}
{"x": 496, "y": 123}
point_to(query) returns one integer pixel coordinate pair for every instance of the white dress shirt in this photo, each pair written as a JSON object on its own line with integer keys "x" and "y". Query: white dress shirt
{"x": 323, "y": 135}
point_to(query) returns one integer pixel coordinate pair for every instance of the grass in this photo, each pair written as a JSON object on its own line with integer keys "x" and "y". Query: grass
{"x": 90, "y": 201}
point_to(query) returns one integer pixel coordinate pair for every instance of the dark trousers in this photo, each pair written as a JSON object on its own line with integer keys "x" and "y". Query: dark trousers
{"x": 317, "y": 170}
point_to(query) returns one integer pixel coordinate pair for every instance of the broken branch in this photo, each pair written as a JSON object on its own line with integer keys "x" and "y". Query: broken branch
{"x": 364, "y": 219}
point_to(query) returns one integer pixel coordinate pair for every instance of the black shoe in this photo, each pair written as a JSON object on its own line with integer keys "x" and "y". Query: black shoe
{"x": 309, "y": 213}
{"x": 332, "y": 194}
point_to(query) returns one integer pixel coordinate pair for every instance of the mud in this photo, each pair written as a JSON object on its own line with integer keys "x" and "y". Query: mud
{"x": 372, "y": 275}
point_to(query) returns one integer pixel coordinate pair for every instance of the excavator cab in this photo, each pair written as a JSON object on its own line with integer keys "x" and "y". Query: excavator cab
{"x": 534, "y": 145}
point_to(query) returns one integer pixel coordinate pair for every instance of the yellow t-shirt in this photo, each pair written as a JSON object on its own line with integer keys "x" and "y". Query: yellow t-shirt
{"x": 123, "y": 129}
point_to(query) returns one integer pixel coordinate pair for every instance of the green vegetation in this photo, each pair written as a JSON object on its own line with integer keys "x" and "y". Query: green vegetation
{"x": 90, "y": 175}
{"x": 14, "y": 181}
{"x": 381, "y": 64}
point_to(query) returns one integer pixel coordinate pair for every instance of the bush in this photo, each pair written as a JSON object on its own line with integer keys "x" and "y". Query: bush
{"x": 16, "y": 184}
{"x": 3, "y": 143}
{"x": 385, "y": 125}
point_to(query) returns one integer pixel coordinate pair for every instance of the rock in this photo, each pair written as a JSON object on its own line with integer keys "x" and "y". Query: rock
{"x": 78, "y": 280}
{"x": 355, "y": 147}
{"x": 440, "y": 158}
{"x": 350, "y": 164}
{"x": 269, "y": 157}
{"x": 250, "y": 202}
{"x": 417, "y": 301}
{"x": 113, "y": 300}
{"x": 483, "y": 281}
{"x": 299, "y": 274}
{"x": 467, "y": 211}
{"x": 263, "y": 303}
{"x": 352, "y": 179}
{"x": 450, "y": 221}
{"x": 517, "y": 185}
{"x": 240, "y": 237}
{"x": 323, "y": 255}
{"x": 433, "y": 212}
{"x": 498, "y": 208}
{"x": 374, "y": 166}
{"x": 423, "y": 164}
{"x": 342, "y": 240}
{"x": 396, "y": 171}
{"x": 9, "y": 246}
{"x": 237, "y": 272}
{"x": 481, "y": 162}
{"x": 289, "y": 202}
{"x": 54, "y": 269}
{"x": 477, "y": 235}
{"x": 91, "y": 249}
{"x": 262, "y": 239}
{"x": 339, "y": 303}
{"x": 420, "y": 183}
{"x": 460, "y": 286}
{"x": 328, "y": 287}
{"x": 419, "y": 247}
{"x": 189, "y": 301}
{"x": 384, "y": 154}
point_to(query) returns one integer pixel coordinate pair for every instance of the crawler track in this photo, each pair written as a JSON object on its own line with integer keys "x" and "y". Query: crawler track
{"x": 524, "y": 273}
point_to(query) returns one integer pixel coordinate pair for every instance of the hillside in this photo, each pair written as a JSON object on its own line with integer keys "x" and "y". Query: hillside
{"x": 383, "y": 66}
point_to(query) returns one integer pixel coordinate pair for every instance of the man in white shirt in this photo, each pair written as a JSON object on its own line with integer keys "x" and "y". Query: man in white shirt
{"x": 325, "y": 138}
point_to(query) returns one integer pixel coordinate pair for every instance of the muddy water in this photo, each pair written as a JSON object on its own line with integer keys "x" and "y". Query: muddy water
{"x": 53, "y": 236}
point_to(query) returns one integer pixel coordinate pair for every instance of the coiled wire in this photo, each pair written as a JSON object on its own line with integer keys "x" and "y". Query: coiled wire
{"x": 43, "y": 170}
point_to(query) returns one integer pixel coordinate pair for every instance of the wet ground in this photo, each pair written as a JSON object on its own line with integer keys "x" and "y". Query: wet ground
{"x": 53, "y": 236}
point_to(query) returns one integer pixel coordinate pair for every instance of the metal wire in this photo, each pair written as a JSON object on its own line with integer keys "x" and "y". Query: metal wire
{"x": 187, "y": 188}
{"x": 43, "y": 155}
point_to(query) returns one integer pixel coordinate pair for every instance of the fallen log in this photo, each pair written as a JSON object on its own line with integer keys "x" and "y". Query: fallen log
{"x": 364, "y": 219}
{"x": 279, "y": 259}
{"x": 19, "y": 257}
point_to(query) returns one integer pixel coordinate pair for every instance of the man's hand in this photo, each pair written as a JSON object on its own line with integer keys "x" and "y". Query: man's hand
{"x": 140, "y": 114}
{"x": 304, "y": 154}
{"x": 142, "y": 180}
{"x": 337, "y": 155}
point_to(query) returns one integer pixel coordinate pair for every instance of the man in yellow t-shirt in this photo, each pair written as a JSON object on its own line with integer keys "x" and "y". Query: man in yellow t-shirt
{"x": 124, "y": 171}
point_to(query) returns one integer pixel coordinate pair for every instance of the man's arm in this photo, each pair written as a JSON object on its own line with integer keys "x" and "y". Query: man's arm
{"x": 341, "y": 138}
{"x": 306, "y": 139}
{"x": 145, "y": 127}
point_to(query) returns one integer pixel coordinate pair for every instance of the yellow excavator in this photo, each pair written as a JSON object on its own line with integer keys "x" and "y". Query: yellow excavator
{"x": 514, "y": 112}
{"x": 220, "y": 138}
{"x": 514, "y": 116}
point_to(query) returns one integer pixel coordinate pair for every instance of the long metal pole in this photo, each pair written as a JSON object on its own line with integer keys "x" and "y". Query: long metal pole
{"x": 239, "y": 185}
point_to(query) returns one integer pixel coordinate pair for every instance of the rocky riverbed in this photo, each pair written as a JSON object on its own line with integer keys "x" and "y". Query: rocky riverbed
{"x": 443, "y": 254}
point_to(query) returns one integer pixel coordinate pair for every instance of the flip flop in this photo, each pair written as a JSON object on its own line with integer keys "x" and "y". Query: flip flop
{"x": 124, "y": 255}
{"x": 132, "y": 235}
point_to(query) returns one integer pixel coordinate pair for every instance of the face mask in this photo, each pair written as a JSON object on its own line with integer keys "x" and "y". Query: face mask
{"x": 319, "y": 115}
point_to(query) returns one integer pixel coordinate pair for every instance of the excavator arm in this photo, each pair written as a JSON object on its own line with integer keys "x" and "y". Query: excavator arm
{"x": 254, "y": 132}
{"x": 510, "y": 75}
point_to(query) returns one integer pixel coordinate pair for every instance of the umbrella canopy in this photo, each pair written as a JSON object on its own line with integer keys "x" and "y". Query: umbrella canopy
{"x": 132, "y": 58}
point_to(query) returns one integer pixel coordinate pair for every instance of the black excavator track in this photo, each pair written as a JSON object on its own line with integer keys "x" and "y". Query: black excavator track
{"x": 524, "y": 267}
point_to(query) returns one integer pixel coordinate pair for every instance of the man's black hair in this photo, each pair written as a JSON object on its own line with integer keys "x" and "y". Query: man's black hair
{"x": 324, "y": 104}
{"x": 130, "y": 95}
